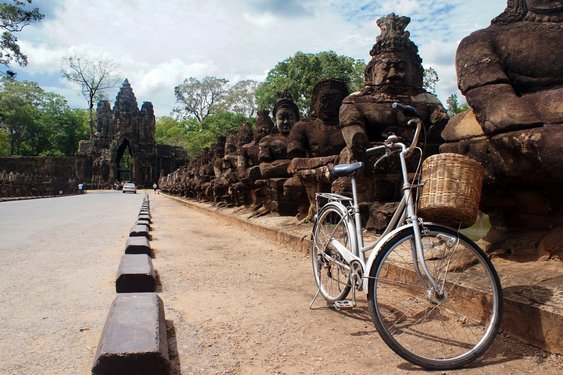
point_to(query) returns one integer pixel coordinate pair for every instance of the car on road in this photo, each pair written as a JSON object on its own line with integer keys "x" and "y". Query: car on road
{"x": 130, "y": 187}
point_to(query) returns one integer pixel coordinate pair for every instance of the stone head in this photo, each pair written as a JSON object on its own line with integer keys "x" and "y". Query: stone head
{"x": 244, "y": 134}
{"x": 231, "y": 142}
{"x": 395, "y": 66}
{"x": 219, "y": 147}
{"x": 285, "y": 112}
{"x": 518, "y": 10}
{"x": 264, "y": 125}
{"x": 326, "y": 99}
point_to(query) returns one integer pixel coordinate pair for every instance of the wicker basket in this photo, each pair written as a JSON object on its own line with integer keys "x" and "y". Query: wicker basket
{"x": 451, "y": 191}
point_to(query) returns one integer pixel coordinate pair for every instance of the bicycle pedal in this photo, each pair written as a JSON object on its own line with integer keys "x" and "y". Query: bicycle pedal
{"x": 344, "y": 305}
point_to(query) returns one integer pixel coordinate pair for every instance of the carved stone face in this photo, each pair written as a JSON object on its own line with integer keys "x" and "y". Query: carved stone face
{"x": 261, "y": 131}
{"x": 328, "y": 105}
{"x": 393, "y": 70}
{"x": 285, "y": 118}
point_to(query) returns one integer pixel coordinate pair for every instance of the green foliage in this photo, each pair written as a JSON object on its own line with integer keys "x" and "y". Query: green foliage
{"x": 301, "y": 72}
{"x": 200, "y": 99}
{"x": 36, "y": 122}
{"x": 454, "y": 107}
{"x": 13, "y": 18}
{"x": 93, "y": 77}
{"x": 4, "y": 142}
{"x": 240, "y": 98}
{"x": 430, "y": 79}
{"x": 193, "y": 135}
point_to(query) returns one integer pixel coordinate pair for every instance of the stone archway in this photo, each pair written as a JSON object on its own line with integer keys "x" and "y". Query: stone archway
{"x": 124, "y": 162}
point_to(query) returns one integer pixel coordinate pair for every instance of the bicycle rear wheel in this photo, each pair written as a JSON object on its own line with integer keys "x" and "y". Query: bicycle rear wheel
{"x": 444, "y": 330}
{"x": 330, "y": 269}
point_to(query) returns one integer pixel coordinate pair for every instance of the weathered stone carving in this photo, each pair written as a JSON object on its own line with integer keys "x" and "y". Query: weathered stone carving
{"x": 315, "y": 143}
{"x": 120, "y": 132}
{"x": 512, "y": 76}
{"x": 394, "y": 74}
{"x": 273, "y": 158}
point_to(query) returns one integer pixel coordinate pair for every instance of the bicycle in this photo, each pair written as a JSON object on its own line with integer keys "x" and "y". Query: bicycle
{"x": 433, "y": 294}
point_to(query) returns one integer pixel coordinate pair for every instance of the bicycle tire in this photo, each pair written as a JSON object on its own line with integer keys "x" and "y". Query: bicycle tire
{"x": 442, "y": 334}
{"x": 331, "y": 271}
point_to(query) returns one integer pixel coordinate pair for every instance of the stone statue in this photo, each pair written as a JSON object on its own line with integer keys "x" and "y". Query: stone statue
{"x": 394, "y": 74}
{"x": 315, "y": 143}
{"x": 273, "y": 158}
{"x": 274, "y": 146}
{"x": 248, "y": 169}
{"x": 511, "y": 74}
{"x": 218, "y": 148}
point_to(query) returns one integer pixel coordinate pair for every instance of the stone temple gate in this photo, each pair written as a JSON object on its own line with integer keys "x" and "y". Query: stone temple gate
{"x": 123, "y": 147}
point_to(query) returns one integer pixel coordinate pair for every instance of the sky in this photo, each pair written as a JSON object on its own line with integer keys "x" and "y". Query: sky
{"x": 156, "y": 45}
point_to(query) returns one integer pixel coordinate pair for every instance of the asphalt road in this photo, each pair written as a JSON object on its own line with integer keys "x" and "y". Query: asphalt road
{"x": 58, "y": 262}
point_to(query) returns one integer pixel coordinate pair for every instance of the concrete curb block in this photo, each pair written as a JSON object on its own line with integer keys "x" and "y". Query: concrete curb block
{"x": 134, "y": 339}
{"x": 139, "y": 230}
{"x": 144, "y": 217}
{"x": 135, "y": 274}
{"x": 143, "y": 222}
{"x": 138, "y": 245}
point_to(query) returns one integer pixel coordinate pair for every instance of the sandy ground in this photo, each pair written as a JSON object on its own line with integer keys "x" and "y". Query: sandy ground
{"x": 237, "y": 303}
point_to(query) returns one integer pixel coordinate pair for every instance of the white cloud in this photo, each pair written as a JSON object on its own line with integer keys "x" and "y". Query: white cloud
{"x": 401, "y": 7}
{"x": 159, "y": 44}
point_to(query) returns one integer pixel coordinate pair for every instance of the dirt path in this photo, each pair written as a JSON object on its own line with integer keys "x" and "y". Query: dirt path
{"x": 237, "y": 303}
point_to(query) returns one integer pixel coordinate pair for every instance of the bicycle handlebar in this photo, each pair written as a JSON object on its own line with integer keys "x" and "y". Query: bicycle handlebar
{"x": 392, "y": 140}
{"x": 406, "y": 109}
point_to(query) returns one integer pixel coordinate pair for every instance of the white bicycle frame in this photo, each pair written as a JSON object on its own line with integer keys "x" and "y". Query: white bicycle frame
{"x": 405, "y": 212}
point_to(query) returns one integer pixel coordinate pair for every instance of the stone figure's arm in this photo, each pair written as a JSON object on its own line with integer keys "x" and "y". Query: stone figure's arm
{"x": 241, "y": 163}
{"x": 353, "y": 129}
{"x": 483, "y": 79}
{"x": 296, "y": 141}
{"x": 264, "y": 152}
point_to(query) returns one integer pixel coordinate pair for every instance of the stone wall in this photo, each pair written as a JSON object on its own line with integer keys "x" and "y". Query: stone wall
{"x": 22, "y": 176}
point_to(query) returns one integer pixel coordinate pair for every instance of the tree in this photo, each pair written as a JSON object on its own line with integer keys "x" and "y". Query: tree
{"x": 301, "y": 72}
{"x": 36, "y": 122}
{"x": 193, "y": 135}
{"x": 20, "y": 115}
{"x": 13, "y": 18}
{"x": 240, "y": 98}
{"x": 430, "y": 79}
{"x": 64, "y": 127}
{"x": 200, "y": 99}
{"x": 454, "y": 107}
{"x": 94, "y": 77}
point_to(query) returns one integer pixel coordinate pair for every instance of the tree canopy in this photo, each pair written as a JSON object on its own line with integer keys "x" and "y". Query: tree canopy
{"x": 430, "y": 79}
{"x": 454, "y": 107}
{"x": 13, "y": 18}
{"x": 35, "y": 122}
{"x": 193, "y": 135}
{"x": 301, "y": 72}
{"x": 93, "y": 77}
{"x": 200, "y": 99}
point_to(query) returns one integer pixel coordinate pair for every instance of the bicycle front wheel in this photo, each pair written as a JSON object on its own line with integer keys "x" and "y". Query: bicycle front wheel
{"x": 443, "y": 329}
{"x": 330, "y": 269}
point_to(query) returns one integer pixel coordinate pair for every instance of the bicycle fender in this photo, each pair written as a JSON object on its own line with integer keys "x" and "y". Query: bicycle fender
{"x": 382, "y": 241}
{"x": 339, "y": 206}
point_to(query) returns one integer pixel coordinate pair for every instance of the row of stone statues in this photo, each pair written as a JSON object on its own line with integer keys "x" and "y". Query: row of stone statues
{"x": 30, "y": 184}
{"x": 280, "y": 164}
{"x": 511, "y": 74}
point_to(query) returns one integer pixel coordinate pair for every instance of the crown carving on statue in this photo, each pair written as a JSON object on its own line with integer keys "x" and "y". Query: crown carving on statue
{"x": 285, "y": 99}
{"x": 393, "y": 37}
{"x": 325, "y": 84}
